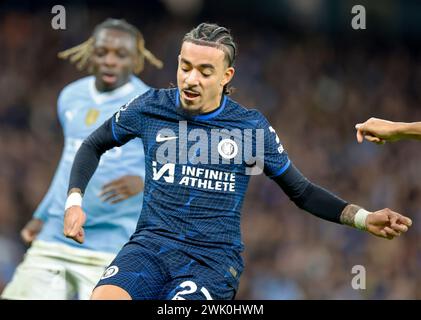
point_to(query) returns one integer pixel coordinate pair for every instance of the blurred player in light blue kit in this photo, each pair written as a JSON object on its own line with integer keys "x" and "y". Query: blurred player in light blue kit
{"x": 56, "y": 267}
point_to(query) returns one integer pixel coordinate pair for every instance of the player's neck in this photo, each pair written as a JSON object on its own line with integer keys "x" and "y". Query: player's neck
{"x": 101, "y": 87}
{"x": 212, "y": 106}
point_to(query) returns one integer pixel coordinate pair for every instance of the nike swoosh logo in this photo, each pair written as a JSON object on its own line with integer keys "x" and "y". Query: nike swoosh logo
{"x": 160, "y": 138}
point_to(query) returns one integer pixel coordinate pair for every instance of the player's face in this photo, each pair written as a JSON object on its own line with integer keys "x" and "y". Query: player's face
{"x": 201, "y": 76}
{"x": 113, "y": 59}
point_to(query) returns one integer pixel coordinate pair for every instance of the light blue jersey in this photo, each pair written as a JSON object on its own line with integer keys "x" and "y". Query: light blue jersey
{"x": 82, "y": 109}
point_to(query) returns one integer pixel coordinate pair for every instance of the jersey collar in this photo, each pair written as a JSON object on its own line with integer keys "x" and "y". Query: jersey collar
{"x": 102, "y": 97}
{"x": 208, "y": 115}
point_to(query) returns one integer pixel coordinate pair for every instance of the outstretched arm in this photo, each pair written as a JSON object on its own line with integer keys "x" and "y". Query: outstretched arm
{"x": 379, "y": 130}
{"x": 323, "y": 204}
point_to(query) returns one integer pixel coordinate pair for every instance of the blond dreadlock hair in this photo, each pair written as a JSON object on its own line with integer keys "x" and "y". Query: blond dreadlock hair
{"x": 80, "y": 54}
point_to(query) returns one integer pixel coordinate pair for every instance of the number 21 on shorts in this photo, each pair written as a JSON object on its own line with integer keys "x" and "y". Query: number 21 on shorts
{"x": 190, "y": 287}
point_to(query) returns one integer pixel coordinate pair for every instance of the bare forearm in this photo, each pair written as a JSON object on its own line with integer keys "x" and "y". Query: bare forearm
{"x": 380, "y": 130}
{"x": 411, "y": 130}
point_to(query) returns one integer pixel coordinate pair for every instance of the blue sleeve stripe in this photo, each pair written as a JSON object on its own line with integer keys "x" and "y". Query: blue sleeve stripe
{"x": 282, "y": 170}
{"x": 113, "y": 130}
{"x": 177, "y": 98}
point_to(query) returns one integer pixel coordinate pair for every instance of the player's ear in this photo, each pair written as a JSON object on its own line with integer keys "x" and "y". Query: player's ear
{"x": 229, "y": 73}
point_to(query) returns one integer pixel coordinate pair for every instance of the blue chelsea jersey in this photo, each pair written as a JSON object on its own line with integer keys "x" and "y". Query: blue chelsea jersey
{"x": 197, "y": 170}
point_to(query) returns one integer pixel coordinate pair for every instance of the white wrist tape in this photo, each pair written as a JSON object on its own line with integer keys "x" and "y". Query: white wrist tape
{"x": 360, "y": 218}
{"x": 74, "y": 199}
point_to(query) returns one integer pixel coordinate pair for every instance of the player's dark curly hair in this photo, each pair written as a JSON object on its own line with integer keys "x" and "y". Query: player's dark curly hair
{"x": 213, "y": 35}
{"x": 80, "y": 54}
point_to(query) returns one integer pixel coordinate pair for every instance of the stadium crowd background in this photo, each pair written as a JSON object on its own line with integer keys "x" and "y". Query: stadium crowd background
{"x": 307, "y": 71}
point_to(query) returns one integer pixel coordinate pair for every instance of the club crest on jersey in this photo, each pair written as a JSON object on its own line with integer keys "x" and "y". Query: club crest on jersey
{"x": 227, "y": 148}
{"x": 215, "y": 146}
{"x": 91, "y": 116}
{"x": 111, "y": 271}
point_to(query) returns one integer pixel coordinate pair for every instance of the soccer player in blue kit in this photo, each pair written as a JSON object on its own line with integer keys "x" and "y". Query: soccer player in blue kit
{"x": 54, "y": 266}
{"x": 200, "y": 149}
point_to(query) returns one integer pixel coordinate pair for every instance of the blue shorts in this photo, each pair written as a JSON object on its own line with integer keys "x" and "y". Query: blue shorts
{"x": 148, "y": 270}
